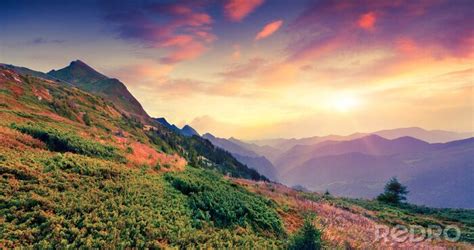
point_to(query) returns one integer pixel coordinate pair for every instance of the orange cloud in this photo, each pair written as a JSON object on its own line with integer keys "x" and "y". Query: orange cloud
{"x": 187, "y": 51}
{"x": 367, "y": 21}
{"x": 236, "y": 10}
{"x": 143, "y": 73}
{"x": 236, "y": 52}
{"x": 269, "y": 29}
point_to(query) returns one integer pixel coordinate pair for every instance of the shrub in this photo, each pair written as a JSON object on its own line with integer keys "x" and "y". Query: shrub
{"x": 68, "y": 142}
{"x": 225, "y": 204}
{"x": 87, "y": 119}
{"x": 307, "y": 238}
{"x": 63, "y": 108}
{"x": 394, "y": 192}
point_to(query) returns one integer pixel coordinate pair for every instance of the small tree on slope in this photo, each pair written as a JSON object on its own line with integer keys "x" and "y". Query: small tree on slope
{"x": 307, "y": 238}
{"x": 394, "y": 192}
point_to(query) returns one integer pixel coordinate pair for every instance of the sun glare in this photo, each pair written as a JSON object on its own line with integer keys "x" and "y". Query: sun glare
{"x": 344, "y": 102}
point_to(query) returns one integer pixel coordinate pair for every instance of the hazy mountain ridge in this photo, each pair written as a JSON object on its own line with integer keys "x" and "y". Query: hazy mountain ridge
{"x": 431, "y": 136}
{"x": 371, "y": 145}
{"x": 433, "y": 172}
{"x": 248, "y": 157}
{"x": 358, "y": 165}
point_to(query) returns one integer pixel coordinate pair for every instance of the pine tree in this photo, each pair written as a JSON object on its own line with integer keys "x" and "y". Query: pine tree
{"x": 307, "y": 238}
{"x": 394, "y": 192}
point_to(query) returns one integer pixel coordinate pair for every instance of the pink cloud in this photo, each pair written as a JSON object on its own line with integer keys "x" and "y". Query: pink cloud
{"x": 181, "y": 29}
{"x": 441, "y": 28}
{"x": 269, "y": 29}
{"x": 184, "y": 52}
{"x": 236, "y": 10}
{"x": 367, "y": 21}
{"x": 243, "y": 70}
{"x": 236, "y": 54}
{"x": 144, "y": 73}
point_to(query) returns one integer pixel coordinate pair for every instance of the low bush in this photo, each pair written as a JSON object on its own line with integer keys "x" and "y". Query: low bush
{"x": 307, "y": 238}
{"x": 225, "y": 204}
{"x": 70, "y": 201}
{"x": 68, "y": 142}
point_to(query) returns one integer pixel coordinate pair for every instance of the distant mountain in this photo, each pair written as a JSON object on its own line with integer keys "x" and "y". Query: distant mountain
{"x": 86, "y": 78}
{"x": 432, "y": 172}
{"x": 186, "y": 130}
{"x": 166, "y": 124}
{"x": 431, "y": 136}
{"x": 271, "y": 153}
{"x": 286, "y": 144}
{"x": 248, "y": 157}
{"x": 370, "y": 145}
{"x": 229, "y": 145}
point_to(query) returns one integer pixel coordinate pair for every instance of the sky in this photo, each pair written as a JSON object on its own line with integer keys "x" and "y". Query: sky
{"x": 256, "y": 69}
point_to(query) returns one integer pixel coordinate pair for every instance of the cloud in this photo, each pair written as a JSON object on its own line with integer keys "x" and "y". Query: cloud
{"x": 367, "y": 21}
{"x": 236, "y": 53}
{"x": 269, "y": 29}
{"x": 236, "y": 10}
{"x": 182, "y": 28}
{"x": 41, "y": 41}
{"x": 147, "y": 72}
{"x": 442, "y": 26}
{"x": 243, "y": 70}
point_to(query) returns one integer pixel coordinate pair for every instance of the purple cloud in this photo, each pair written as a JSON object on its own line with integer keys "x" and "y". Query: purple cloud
{"x": 326, "y": 26}
{"x": 41, "y": 40}
{"x": 182, "y": 28}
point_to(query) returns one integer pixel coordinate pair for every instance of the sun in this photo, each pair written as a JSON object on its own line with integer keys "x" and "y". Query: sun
{"x": 344, "y": 102}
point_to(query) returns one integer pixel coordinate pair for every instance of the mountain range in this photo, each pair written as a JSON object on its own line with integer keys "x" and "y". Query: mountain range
{"x": 359, "y": 168}
{"x": 431, "y": 136}
{"x": 244, "y": 155}
{"x": 359, "y": 165}
{"x": 186, "y": 130}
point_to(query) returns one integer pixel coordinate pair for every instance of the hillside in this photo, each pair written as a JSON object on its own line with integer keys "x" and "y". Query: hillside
{"x": 86, "y": 78}
{"x": 77, "y": 173}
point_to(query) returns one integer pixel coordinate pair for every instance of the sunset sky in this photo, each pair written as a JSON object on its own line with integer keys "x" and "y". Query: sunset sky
{"x": 265, "y": 68}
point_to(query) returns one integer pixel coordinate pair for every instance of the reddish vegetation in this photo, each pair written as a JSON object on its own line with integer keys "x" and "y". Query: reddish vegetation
{"x": 15, "y": 140}
{"x": 42, "y": 94}
{"x": 143, "y": 154}
{"x": 341, "y": 228}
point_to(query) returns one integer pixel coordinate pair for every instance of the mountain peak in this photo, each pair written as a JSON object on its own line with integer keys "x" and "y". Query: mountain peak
{"x": 208, "y": 136}
{"x": 82, "y": 65}
{"x": 78, "y": 62}
{"x": 188, "y": 131}
{"x": 83, "y": 76}
{"x": 372, "y": 137}
{"x": 78, "y": 72}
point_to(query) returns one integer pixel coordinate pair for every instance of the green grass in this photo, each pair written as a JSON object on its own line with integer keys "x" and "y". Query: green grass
{"x": 72, "y": 201}
{"x": 60, "y": 141}
{"x": 226, "y": 205}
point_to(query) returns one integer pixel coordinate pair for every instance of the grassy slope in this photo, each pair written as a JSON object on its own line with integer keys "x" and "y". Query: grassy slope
{"x": 104, "y": 180}
{"x": 352, "y": 222}
{"x": 70, "y": 181}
